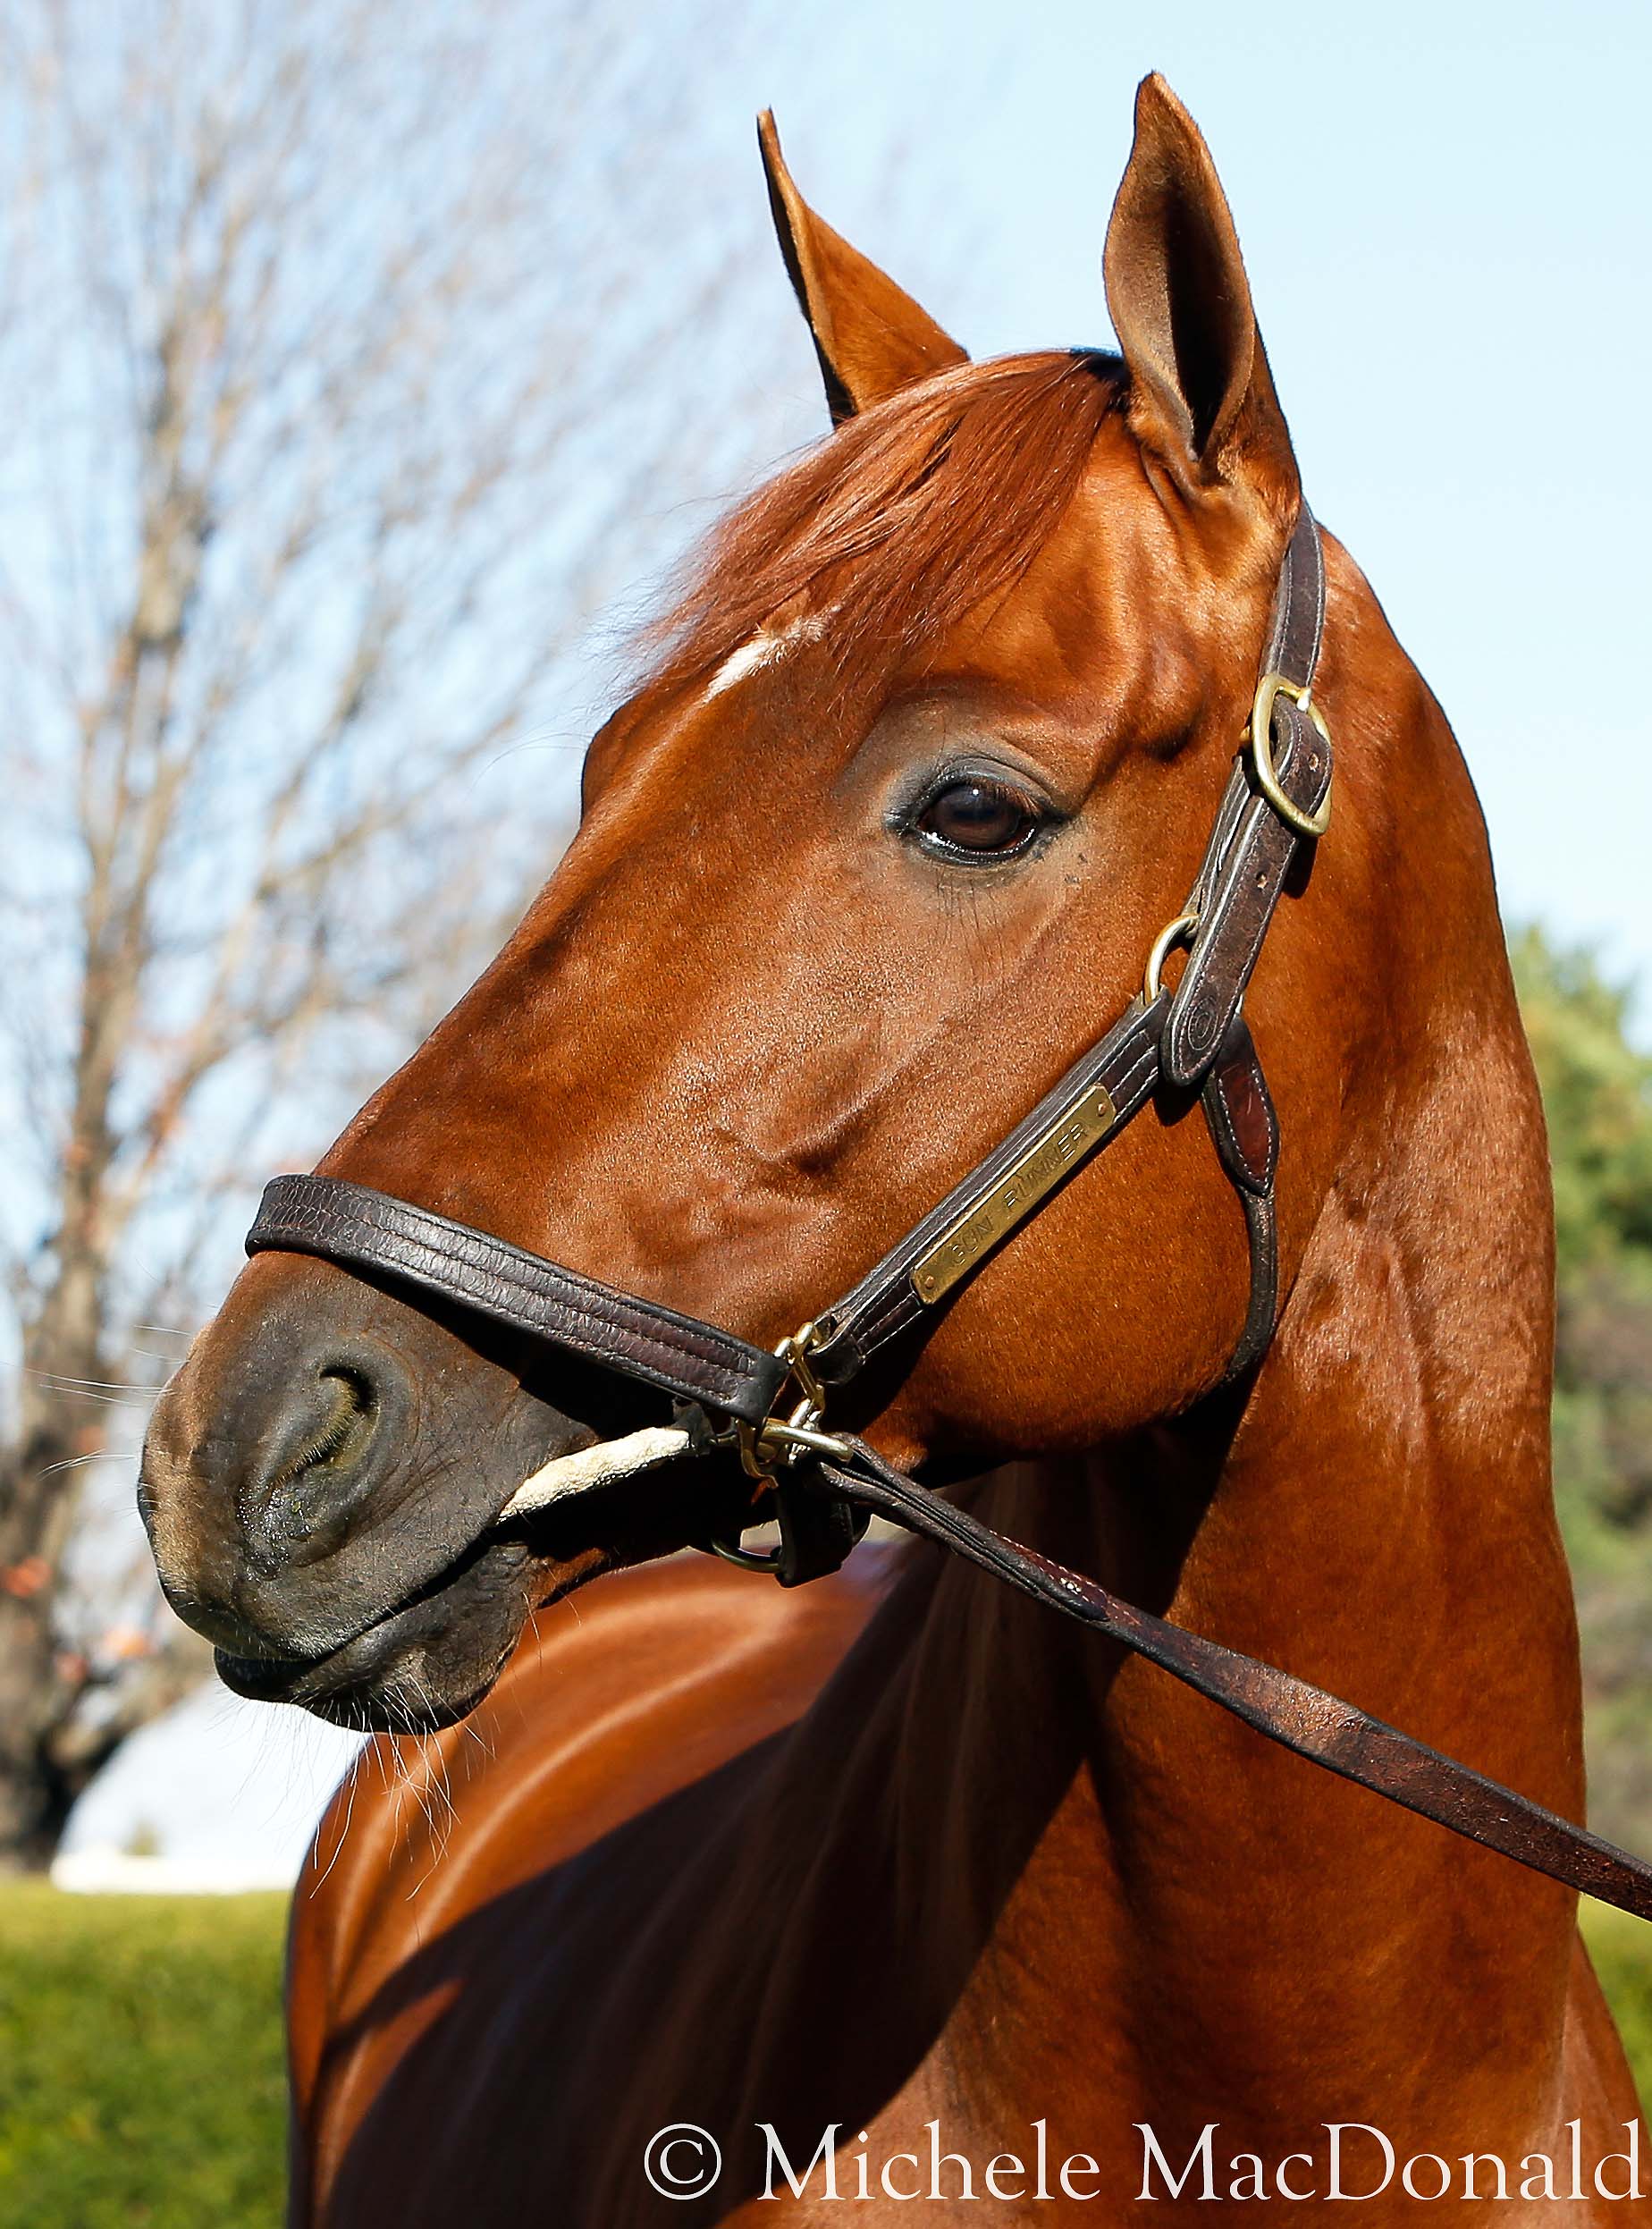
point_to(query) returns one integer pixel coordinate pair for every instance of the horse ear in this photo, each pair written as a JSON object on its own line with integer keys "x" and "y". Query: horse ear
{"x": 871, "y": 339}
{"x": 1202, "y": 395}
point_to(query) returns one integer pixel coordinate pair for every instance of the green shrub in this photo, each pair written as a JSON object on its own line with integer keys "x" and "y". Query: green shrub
{"x": 1622, "y": 1949}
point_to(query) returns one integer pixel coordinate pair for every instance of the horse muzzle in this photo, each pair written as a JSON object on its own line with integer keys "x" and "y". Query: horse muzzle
{"x": 326, "y": 1484}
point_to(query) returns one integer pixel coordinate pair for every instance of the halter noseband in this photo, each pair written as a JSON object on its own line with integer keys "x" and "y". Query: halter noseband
{"x": 824, "y": 1486}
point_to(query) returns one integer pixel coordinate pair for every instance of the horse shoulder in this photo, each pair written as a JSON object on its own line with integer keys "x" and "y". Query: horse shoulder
{"x": 645, "y": 1684}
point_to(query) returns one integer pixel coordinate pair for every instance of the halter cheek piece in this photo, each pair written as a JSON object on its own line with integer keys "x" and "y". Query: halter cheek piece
{"x": 825, "y": 1486}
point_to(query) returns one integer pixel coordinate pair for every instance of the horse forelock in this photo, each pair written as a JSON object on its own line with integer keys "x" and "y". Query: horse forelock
{"x": 897, "y": 526}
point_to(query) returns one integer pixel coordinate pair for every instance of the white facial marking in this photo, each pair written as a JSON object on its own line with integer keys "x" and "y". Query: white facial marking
{"x": 764, "y": 647}
{"x": 609, "y": 1459}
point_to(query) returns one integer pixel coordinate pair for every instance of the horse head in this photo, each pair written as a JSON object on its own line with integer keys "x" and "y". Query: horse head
{"x": 924, "y": 761}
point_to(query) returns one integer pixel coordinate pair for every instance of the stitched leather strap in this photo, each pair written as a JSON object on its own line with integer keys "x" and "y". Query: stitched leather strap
{"x": 1246, "y": 1130}
{"x": 1251, "y": 848}
{"x": 364, "y": 1230}
{"x": 1319, "y": 1726}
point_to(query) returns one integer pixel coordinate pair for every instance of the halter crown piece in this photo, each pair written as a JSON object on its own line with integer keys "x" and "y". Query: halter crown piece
{"x": 823, "y": 1486}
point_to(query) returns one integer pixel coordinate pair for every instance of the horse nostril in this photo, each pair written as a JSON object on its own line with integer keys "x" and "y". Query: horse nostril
{"x": 319, "y": 1481}
{"x": 354, "y": 1413}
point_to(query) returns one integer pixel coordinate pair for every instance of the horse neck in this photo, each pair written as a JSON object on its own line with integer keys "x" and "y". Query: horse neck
{"x": 1376, "y": 1518}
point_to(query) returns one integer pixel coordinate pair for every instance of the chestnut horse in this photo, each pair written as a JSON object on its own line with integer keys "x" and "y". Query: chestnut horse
{"x": 927, "y": 756}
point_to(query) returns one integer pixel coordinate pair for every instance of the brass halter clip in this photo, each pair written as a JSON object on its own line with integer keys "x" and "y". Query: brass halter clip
{"x": 780, "y": 1440}
{"x": 775, "y": 1441}
{"x": 1259, "y": 739}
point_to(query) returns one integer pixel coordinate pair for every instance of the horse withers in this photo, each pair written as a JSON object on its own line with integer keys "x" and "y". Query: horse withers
{"x": 726, "y": 1902}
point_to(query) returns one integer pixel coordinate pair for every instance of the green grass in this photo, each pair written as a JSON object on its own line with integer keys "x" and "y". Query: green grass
{"x": 141, "y": 2084}
{"x": 141, "y": 2076}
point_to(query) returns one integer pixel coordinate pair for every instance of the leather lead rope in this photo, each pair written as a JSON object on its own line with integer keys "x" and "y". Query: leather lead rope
{"x": 1305, "y": 1719}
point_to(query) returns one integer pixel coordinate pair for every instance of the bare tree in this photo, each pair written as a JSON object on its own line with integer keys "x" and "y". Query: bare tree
{"x": 315, "y": 316}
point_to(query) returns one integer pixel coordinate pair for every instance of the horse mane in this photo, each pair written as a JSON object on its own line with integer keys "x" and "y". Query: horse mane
{"x": 903, "y": 521}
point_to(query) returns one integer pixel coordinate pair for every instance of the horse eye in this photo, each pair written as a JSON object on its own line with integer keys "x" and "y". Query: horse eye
{"x": 983, "y": 818}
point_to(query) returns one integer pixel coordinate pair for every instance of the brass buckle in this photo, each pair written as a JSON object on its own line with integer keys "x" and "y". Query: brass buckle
{"x": 1258, "y": 737}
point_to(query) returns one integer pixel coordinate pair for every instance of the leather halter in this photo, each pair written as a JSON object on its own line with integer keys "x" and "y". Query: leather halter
{"x": 824, "y": 1486}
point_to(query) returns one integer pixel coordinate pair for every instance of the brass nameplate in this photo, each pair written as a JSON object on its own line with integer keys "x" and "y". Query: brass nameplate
{"x": 1062, "y": 1146}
